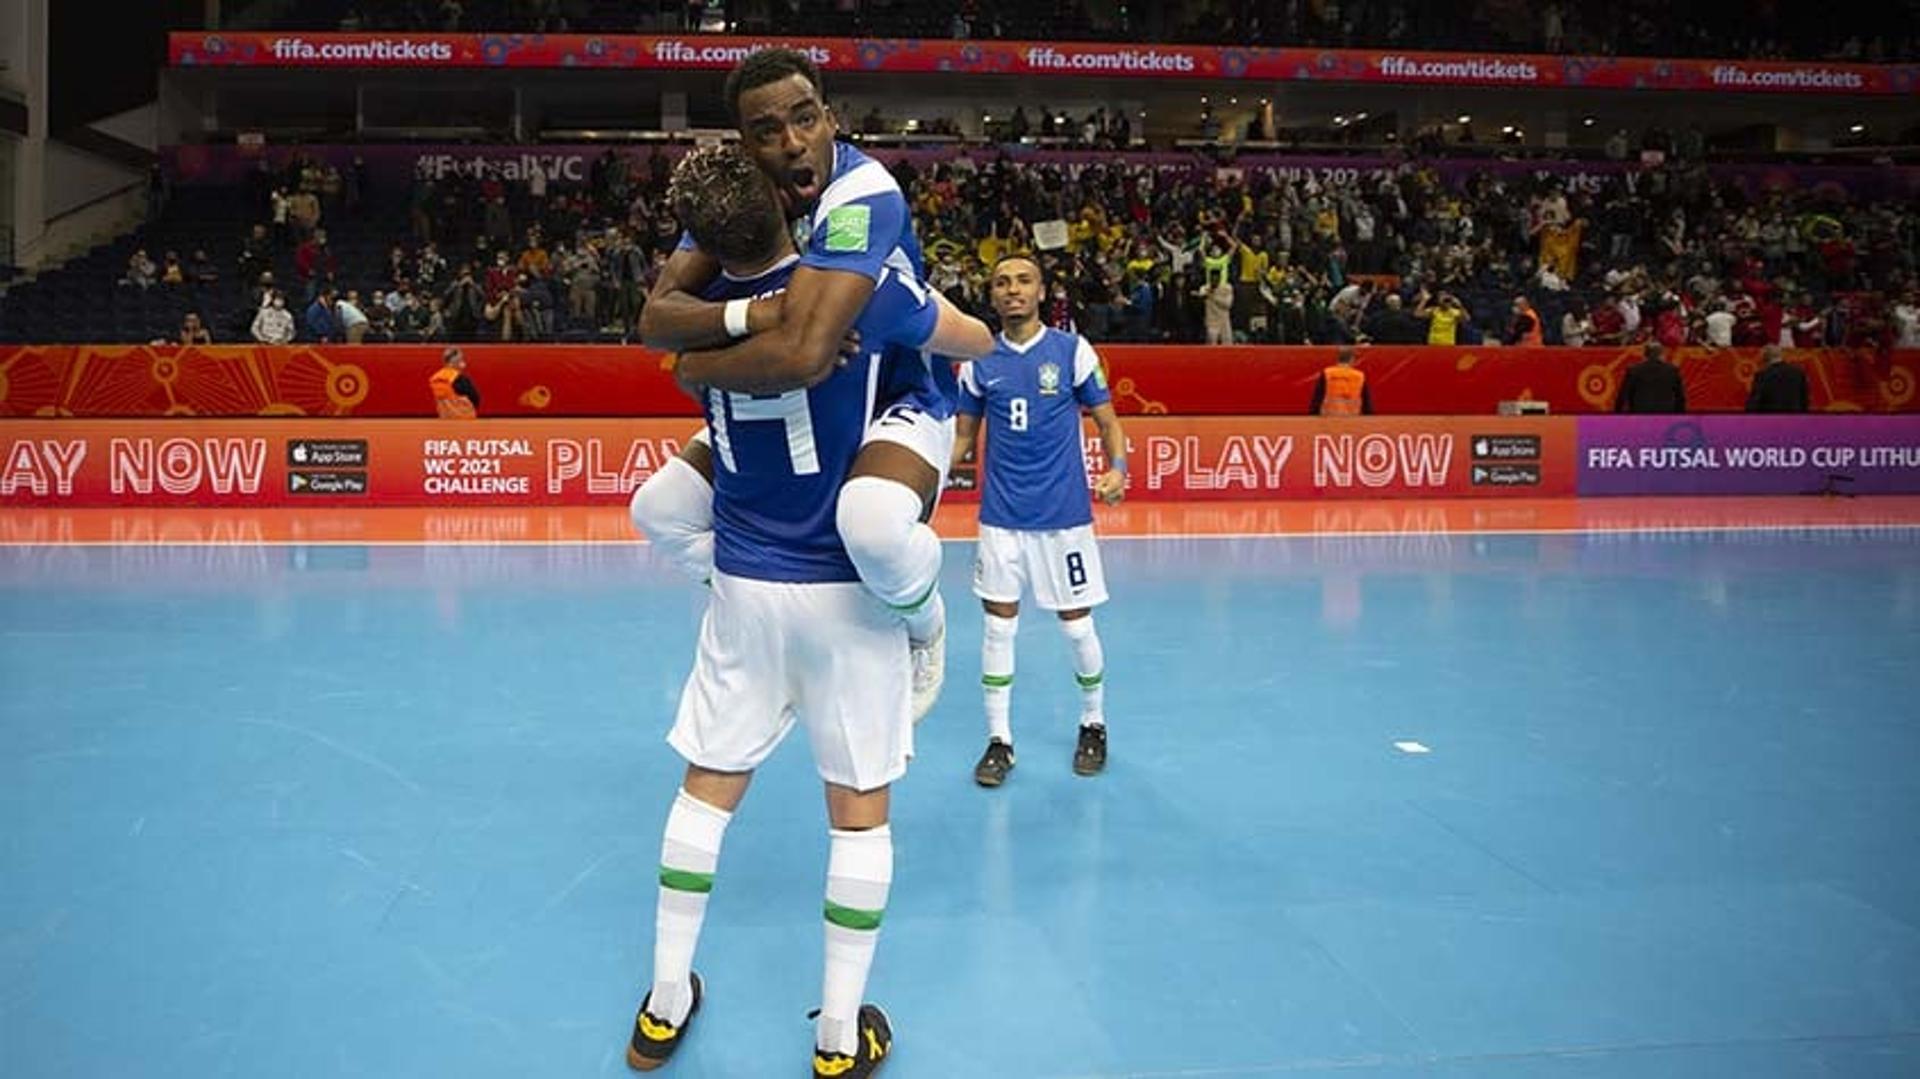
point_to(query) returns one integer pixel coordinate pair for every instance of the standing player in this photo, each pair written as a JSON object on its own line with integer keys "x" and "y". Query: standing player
{"x": 853, "y": 225}
{"x": 1036, "y": 522}
{"x": 790, "y": 633}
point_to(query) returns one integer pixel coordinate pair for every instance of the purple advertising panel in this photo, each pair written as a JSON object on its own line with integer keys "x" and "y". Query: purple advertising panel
{"x": 1749, "y": 455}
{"x": 395, "y": 165}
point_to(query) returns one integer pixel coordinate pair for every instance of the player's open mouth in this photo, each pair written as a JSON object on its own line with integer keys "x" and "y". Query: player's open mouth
{"x": 803, "y": 182}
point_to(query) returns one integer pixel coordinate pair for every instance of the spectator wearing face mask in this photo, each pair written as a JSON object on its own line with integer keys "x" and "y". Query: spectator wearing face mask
{"x": 273, "y": 323}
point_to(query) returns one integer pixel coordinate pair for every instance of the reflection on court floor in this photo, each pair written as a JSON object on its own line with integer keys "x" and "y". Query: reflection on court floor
{"x": 303, "y": 795}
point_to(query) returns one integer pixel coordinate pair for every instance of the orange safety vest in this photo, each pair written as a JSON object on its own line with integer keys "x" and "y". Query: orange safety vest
{"x": 1532, "y": 335}
{"x": 449, "y": 404}
{"x": 1343, "y": 391}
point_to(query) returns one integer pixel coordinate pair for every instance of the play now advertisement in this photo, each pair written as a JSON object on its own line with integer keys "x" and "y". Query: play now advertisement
{"x": 256, "y": 462}
{"x": 552, "y": 462}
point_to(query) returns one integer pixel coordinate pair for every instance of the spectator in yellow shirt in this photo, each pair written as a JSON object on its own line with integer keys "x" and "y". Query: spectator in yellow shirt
{"x": 1443, "y": 317}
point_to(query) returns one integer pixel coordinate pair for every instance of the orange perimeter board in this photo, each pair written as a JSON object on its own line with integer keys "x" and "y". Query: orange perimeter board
{"x": 548, "y": 381}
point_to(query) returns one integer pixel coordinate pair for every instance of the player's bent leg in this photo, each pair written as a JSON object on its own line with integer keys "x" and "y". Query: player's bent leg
{"x": 689, "y": 857}
{"x": 1089, "y": 670}
{"x": 674, "y": 510}
{"x": 996, "y": 687}
{"x": 879, "y": 517}
{"x": 852, "y": 1037}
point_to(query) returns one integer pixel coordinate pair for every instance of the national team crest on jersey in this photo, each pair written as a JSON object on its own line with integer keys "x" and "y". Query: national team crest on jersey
{"x": 1049, "y": 379}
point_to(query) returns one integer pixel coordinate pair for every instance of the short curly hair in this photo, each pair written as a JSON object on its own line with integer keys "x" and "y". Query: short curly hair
{"x": 727, "y": 204}
{"x": 769, "y": 66}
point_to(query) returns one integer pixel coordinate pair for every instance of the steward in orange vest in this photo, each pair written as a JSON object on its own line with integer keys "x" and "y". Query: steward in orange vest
{"x": 454, "y": 395}
{"x": 1342, "y": 390}
{"x": 1526, "y": 325}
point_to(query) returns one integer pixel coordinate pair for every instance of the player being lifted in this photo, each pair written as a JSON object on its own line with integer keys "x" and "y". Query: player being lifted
{"x": 790, "y": 632}
{"x": 852, "y": 224}
{"x": 1036, "y": 521}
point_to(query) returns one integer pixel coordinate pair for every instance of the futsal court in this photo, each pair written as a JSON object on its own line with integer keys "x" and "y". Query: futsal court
{"x": 1532, "y": 789}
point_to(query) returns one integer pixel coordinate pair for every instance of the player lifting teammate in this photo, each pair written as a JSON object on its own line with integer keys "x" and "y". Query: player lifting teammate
{"x": 790, "y": 631}
{"x": 1036, "y": 521}
{"x": 853, "y": 225}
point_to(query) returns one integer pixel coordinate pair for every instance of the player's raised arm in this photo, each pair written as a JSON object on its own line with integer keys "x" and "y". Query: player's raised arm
{"x": 676, "y": 318}
{"x": 957, "y": 333}
{"x": 800, "y": 351}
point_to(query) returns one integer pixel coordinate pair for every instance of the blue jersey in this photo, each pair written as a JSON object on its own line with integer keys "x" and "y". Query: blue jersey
{"x": 779, "y": 459}
{"x": 1035, "y": 477}
{"x": 861, "y": 224}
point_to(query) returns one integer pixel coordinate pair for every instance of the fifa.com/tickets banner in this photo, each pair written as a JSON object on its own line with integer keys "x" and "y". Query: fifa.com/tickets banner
{"x": 318, "y": 462}
{"x": 1107, "y": 60}
{"x": 582, "y": 462}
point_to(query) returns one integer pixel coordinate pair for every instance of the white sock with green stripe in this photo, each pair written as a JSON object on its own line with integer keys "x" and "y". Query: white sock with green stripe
{"x": 859, "y": 874}
{"x": 996, "y": 674}
{"x": 689, "y": 852}
{"x": 1089, "y": 669}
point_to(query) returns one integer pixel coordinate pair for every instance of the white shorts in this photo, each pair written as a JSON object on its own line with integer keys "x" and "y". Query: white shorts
{"x": 1062, "y": 565}
{"x": 830, "y": 655}
{"x": 931, "y": 440}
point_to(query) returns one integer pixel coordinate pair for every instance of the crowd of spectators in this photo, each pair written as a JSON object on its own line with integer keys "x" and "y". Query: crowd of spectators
{"x": 1713, "y": 28}
{"x": 482, "y": 257}
{"x": 1147, "y": 253}
{"x": 1191, "y": 253}
{"x": 1200, "y": 253}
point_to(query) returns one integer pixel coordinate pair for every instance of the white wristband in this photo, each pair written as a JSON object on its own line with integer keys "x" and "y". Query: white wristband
{"x": 735, "y": 315}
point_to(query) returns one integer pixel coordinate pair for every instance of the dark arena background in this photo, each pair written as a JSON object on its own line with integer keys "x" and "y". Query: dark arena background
{"x": 1545, "y": 708}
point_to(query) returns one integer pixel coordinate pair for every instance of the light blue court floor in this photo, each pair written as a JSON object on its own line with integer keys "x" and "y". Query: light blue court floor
{"x": 396, "y": 811}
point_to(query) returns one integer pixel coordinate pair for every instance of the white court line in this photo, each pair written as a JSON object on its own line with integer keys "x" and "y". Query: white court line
{"x": 1866, "y": 526}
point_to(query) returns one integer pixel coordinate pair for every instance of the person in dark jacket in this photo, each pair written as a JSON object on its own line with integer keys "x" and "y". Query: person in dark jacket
{"x": 1778, "y": 386}
{"x": 1652, "y": 385}
{"x": 322, "y": 323}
